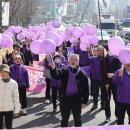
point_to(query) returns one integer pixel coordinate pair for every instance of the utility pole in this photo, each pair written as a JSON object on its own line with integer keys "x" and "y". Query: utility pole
{"x": 99, "y": 13}
{"x": 0, "y": 16}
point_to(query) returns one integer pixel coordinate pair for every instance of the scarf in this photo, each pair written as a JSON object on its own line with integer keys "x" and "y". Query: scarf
{"x": 72, "y": 84}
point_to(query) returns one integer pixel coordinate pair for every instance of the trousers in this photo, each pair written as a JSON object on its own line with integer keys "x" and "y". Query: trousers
{"x": 66, "y": 108}
{"x": 122, "y": 108}
{"x": 8, "y": 119}
{"x": 23, "y": 97}
{"x": 47, "y": 89}
{"x": 96, "y": 85}
{"x": 55, "y": 92}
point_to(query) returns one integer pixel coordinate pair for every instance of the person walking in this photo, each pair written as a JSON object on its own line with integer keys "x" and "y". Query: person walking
{"x": 99, "y": 77}
{"x": 9, "y": 97}
{"x": 11, "y": 60}
{"x": 112, "y": 64}
{"x": 74, "y": 90}
{"x": 56, "y": 84}
{"x": 122, "y": 80}
{"x": 17, "y": 48}
{"x": 20, "y": 74}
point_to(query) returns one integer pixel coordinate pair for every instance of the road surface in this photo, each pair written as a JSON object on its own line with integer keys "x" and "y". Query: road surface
{"x": 40, "y": 115}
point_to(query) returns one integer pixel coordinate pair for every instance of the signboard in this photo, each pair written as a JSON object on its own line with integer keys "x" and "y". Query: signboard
{"x": 5, "y": 13}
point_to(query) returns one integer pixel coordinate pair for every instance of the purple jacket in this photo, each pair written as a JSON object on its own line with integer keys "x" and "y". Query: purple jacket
{"x": 123, "y": 87}
{"x": 87, "y": 70}
{"x": 57, "y": 83}
{"x": 99, "y": 69}
{"x": 83, "y": 55}
{"x": 96, "y": 68}
{"x": 20, "y": 74}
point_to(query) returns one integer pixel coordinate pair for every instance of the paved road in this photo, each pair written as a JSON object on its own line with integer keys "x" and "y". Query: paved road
{"x": 40, "y": 115}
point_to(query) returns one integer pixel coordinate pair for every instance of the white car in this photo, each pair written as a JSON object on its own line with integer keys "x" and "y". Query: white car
{"x": 106, "y": 37}
{"x": 124, "y": 31}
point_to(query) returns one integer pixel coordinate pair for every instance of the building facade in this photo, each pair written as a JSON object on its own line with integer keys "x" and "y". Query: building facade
{"x": 46, "y": 10}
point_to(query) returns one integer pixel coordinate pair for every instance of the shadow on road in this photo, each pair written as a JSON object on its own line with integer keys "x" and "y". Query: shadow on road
{"x": 44, "y": 118}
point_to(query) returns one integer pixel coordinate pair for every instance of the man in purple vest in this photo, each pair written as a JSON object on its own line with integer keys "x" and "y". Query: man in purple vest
{"x": 74, "y": 90}
{"x": 99, "y": 78}
{"x": 122, "y": 81}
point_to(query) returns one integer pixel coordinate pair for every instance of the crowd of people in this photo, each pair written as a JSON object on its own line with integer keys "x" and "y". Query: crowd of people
{"x": 67, "y": 79}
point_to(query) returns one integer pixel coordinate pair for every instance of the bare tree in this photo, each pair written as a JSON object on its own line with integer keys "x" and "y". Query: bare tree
{"x": 21, "y": 11}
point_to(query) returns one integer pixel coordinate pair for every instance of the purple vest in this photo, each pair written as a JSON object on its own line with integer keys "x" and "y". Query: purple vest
{"x": 123, "y": 87}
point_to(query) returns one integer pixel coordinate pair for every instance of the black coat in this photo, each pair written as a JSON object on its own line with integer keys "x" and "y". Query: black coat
{"x": 28, "y": 57}
{"x": 112, "y": 66}
{"x": 82, "y": 85}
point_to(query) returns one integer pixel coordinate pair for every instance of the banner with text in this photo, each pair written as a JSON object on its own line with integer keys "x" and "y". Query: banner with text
{"x": 36, "y": 79}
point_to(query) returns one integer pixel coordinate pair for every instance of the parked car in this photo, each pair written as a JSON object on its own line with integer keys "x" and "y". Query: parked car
{"x": 126, "y": 37}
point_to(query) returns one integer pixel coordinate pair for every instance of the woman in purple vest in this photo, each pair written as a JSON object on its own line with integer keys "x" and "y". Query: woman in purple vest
{"x": 56, "y": 84}
{"x": 74, "y": 90}
{"x": 122, "y": 81}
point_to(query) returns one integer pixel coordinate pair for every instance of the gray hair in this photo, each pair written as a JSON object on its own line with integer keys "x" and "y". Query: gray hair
{"x": 74, "y": 55}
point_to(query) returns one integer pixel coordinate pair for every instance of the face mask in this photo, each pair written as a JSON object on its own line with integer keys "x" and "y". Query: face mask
{"x": 57, "y": 60}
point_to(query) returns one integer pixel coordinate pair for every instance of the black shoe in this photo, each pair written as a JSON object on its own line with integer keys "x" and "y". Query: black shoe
{"x": 102, "y": 107}
{"x": 94, "y": 107}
